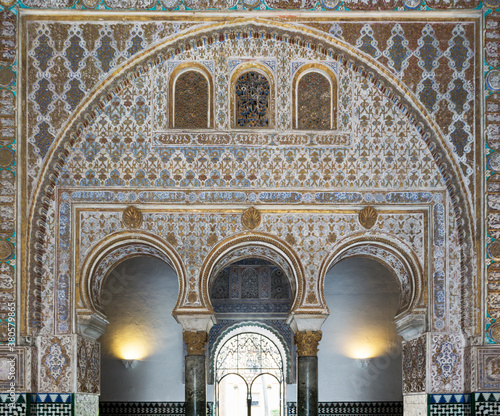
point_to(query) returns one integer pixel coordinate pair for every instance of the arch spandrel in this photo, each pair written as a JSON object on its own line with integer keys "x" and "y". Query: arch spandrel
{"x": 338, "y": 50}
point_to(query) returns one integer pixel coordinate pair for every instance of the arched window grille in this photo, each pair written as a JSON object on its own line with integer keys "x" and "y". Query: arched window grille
{"x": 191, "y": 97}
{"x": 314, "y": 98}
{"x": 250, "y": 356}
{"x": 252, "y": 97}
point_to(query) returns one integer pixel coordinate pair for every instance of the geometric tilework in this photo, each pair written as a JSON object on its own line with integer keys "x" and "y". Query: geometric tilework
{"x": 486, "y": 404}
{"x": 51, "y": 404}
{"x": 51, "y": 409}
{"x": 354, "y": 408}
{"x": 324, "y": 408}
{"x": 19, "y": 408}
{"x": 449, "y": 398}
{"x": 51, "y": 398}
{"x": 146, "y": 408}
{"x": 450, "y": 409}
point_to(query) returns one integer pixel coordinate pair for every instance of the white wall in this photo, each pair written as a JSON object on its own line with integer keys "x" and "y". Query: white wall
{"x": 363, "y": 298}
{"x": 361, "y": 294}
{"x": 140, "y": 295}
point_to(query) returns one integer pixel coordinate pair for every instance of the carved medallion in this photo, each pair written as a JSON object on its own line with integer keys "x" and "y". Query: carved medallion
{"x": 6, "y": 77}
{"x": 494, "y": 250}
{"x": 307, "y": 343}
{"x": 6, "y": 157}
{"x": 195, "y": 342}
{"x": 251, "y": 218}
{"x": 412, "y": 4}
{"x": 132, "y": 217}
{"x": 495, "y": 332}
{"x": 368, "y": 217}
{"x": 494, "y": 161}
{"x": 330, "y": 4}
{"x": 251, "y": 4}
{"x": 492, "y": 4}
{"x": 6, "y": 250}
{"x": 493, "y": 80}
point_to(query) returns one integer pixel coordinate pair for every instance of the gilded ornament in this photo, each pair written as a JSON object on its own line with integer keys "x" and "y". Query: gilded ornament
{"x": 290, "y": 239}
{"x": 307, "y": 343}
{"x": 6, "y": 77}
{"x": 251, "y": 218}
{"x": 192, "y": 297}
{"x": 495, "y": 332}
{"x": 412, "y": 4}
{"x": 212, "y": 239}
{"x": 492, "y": 4}
{"x": 494, "y": 250}
{"x": 171, "y": 239}
{"x": 332, "y": 237}
{"x": 6, "y": 249}
{"x": 6, "y": 157}
{"x": 91, "y": 4}
{"x": 330, "y": 4}
{"x": 132, "y": 217}
{"x": 251, "y": 4}
{"x": 368, "y": 217}
{"x": 195, "y": 342}
{"x": 311, "y": 298}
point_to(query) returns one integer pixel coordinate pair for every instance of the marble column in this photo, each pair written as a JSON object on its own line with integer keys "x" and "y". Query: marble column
{"x": 196, "y": 379}
{"x": 307, "y": 372}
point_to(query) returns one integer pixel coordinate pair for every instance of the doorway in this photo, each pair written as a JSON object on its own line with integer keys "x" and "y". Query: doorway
{"x": 249, "y": 377}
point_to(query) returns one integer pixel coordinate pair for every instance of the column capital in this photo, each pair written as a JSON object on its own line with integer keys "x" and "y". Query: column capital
{"x": 307, "y": 343}
{"x": 195, "y": 341}
{"x": 195, "y": 322}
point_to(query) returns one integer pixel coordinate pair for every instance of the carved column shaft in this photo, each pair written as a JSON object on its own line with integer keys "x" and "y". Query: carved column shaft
{"x": 307, "y": 372}
{"x": 196, "y": 379}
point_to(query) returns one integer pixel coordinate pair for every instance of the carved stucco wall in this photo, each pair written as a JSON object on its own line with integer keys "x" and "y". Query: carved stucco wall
{"x": 431, "y": 58}
{"x": 128, "y": 143}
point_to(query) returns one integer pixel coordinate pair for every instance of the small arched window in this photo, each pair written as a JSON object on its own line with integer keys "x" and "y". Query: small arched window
{"x": 191, "y": 101}
{"x": 315, "y": 98}
{"x": 252, "y": 98}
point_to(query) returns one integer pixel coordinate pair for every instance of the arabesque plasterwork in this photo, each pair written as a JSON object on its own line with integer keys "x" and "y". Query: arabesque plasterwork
{"x": 94, "y": 138}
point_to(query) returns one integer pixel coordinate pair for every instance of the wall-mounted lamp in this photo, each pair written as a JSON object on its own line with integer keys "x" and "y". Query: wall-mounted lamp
{"x": 128, "y": 364}
{"x": 362, "y": 362}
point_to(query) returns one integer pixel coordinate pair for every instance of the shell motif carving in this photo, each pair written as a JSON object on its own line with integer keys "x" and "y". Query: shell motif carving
{"x": 368, "y": 217}
{"x": 132, "y": 217}
{"x": 251, "y": 218}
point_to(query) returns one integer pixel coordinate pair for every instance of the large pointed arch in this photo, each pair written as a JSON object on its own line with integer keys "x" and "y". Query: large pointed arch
{"x": 326, "y": 44}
